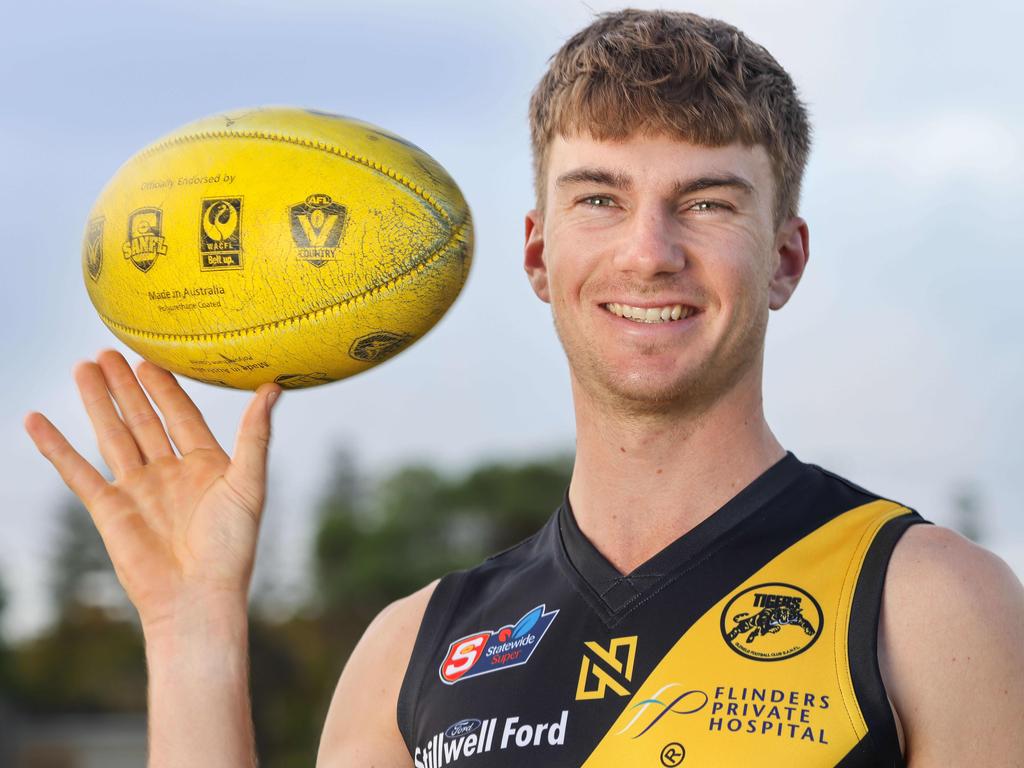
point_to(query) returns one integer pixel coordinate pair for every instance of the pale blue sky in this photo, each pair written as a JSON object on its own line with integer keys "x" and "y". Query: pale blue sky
{"x": 898, "y": 363}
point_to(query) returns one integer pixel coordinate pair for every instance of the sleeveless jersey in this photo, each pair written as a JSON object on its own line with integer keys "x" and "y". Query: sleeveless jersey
{"x": 750, "y": 640}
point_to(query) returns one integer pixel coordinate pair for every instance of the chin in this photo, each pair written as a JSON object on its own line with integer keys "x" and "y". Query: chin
{"x": 649, "y": 391}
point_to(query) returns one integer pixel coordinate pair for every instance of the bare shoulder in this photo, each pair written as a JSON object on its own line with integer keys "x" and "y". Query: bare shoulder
{"x": 361, "y": 726}
{"x": 951, "y": 649}
{"x": 934, "y": 569}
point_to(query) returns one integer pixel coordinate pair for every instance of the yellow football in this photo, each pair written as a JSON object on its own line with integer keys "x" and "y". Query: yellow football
{"x": 276, "y": 244}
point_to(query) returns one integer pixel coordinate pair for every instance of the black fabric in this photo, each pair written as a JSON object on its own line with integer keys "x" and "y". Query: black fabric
{"x": 619, "y": 593}
{"x": 863, "y": 643}
{"x": 443, "y": 601}
{"x": 864, "y": 756}
{"x": 559, "y": 569}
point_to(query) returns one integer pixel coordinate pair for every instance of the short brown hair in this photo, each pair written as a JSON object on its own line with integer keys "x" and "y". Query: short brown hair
{"x": 691, "y": 77}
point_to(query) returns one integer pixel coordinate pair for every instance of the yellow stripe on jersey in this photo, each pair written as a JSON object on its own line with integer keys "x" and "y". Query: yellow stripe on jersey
{"x": 763, "y": 678}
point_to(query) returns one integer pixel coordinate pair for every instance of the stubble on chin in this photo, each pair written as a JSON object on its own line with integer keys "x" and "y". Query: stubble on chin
{"x": 639, "y": 392}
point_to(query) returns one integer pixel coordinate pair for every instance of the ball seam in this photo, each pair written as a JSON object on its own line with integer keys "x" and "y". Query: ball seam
{"x": 310, "y": 143}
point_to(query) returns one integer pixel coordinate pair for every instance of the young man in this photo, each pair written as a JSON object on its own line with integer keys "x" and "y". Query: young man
{"x": 701, "y": 597}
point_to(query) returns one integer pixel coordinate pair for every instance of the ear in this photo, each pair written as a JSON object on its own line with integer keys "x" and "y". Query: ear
{"x": 533, "y": 253}
{"x": 792, "y": 249}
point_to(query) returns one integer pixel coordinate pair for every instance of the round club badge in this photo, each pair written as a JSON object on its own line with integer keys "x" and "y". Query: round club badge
{"x": 771, "y": 622}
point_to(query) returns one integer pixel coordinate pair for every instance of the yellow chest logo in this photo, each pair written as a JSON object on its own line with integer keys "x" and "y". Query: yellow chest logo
{"x": 606, "y": 668}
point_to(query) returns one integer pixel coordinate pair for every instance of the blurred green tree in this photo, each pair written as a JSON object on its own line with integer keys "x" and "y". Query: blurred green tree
{"x": 416, "y": 525}
{"x": 3, "y": 603}
{"x": 374, "y": 543}
{"x": 5, "y": 653}
{"x": 83, "y": 576}
{"x": 968, "y": 512}
{"x": 91, "y": 659}
{"x": 85, "y": 663}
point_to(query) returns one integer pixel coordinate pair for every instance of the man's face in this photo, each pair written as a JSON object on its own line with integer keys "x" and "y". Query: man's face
{"x": 649, "y": 228}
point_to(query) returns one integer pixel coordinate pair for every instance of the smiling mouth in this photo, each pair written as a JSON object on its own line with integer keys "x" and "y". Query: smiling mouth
{"x": 666, "y": 314}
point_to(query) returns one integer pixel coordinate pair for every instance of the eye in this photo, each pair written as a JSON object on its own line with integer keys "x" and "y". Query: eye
{"x": 706, "y": 206}
{"x": 598, "y": 201}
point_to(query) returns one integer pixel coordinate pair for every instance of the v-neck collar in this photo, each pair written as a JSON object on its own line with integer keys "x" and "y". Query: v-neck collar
{"x": 618, "y": 591}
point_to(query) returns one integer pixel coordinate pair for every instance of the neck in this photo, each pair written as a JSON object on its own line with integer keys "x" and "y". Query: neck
{"x": 642, "y": 480}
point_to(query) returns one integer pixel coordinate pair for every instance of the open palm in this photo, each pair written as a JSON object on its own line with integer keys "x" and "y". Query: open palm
{"x": 177, "y": 528}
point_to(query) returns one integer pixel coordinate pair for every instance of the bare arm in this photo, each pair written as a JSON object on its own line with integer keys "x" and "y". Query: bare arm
{"x": 952, "y": 651}
{"x": 362, "y": 725}
{"x": 181, "y": 533}
{"x": 198, "y": 698}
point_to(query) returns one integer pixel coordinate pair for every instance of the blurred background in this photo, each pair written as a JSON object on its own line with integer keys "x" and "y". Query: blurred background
{"x": 898, "y": 363}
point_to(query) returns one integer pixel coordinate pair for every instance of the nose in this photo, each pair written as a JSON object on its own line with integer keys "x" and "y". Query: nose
{"x": 651, "y": 245}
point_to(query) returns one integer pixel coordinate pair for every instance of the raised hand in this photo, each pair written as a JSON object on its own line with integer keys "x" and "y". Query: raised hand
{"x": 179, "y": 529}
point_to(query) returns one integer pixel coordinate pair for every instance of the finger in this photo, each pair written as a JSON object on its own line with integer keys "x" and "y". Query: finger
{"x": 117, "y": 446}
{"x": 77, "y": 473}
{"x": 185, "y": 421}
{"x": 136, "y": 410}
{"x": 247, "y": 473}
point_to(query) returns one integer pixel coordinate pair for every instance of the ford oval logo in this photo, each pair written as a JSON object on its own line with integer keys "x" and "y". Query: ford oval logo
{"x": 461, "y": 728}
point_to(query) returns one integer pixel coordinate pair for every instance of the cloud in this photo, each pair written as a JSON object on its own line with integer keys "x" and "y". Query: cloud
{"x": 939, "y": 147}
{"x": 911, "y": 285}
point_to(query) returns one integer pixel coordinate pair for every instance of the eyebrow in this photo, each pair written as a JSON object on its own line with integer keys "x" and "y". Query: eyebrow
{"x": 616, "y": 180}
{"x": 600, "y": 176}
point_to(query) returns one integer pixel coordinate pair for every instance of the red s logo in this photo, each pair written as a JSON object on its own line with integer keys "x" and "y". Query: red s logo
{"x": 462, "y": 655}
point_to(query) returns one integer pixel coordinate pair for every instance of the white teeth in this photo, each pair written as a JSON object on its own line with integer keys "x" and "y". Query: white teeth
{"x": 652, "y": 314}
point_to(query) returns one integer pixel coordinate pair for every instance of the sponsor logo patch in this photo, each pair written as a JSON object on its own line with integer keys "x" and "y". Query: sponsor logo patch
{"x": 462, "y": 728}
{"x": 146, "y": 239}
{"x": 604, "y": 669}
{"x": 93, "y": 247}
{"x": 493, "y": 650}
{"x": 671, "y": 699}
{"x": 375, "y": 347}
{"x": 472, "y": 737}
{"x": 317, "y": 225}
{"x": 220, "y": 233}
{"x": 300, "y": 380}
{"x": 673, "y": 754}
{"x": 771, "y": 622}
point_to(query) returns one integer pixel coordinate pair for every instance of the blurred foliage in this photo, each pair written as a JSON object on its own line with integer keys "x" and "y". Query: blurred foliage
{"x": 91, "y": 660}
{"x": 969, "y": 513}
{"x": 295, "y": 667}
{"x": 374, "y": 548}
{"x": 374, "y": 543}
{"x": 82, "y": 574}
{"x": 6, "y": 667}
{"x": 86, "y": 663}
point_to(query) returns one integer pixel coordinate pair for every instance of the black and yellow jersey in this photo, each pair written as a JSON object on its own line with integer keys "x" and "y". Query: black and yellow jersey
{"x": 750, "y": 640}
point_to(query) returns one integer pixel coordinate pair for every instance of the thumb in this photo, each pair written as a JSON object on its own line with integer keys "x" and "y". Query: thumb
{"x": 247, "y": 473}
